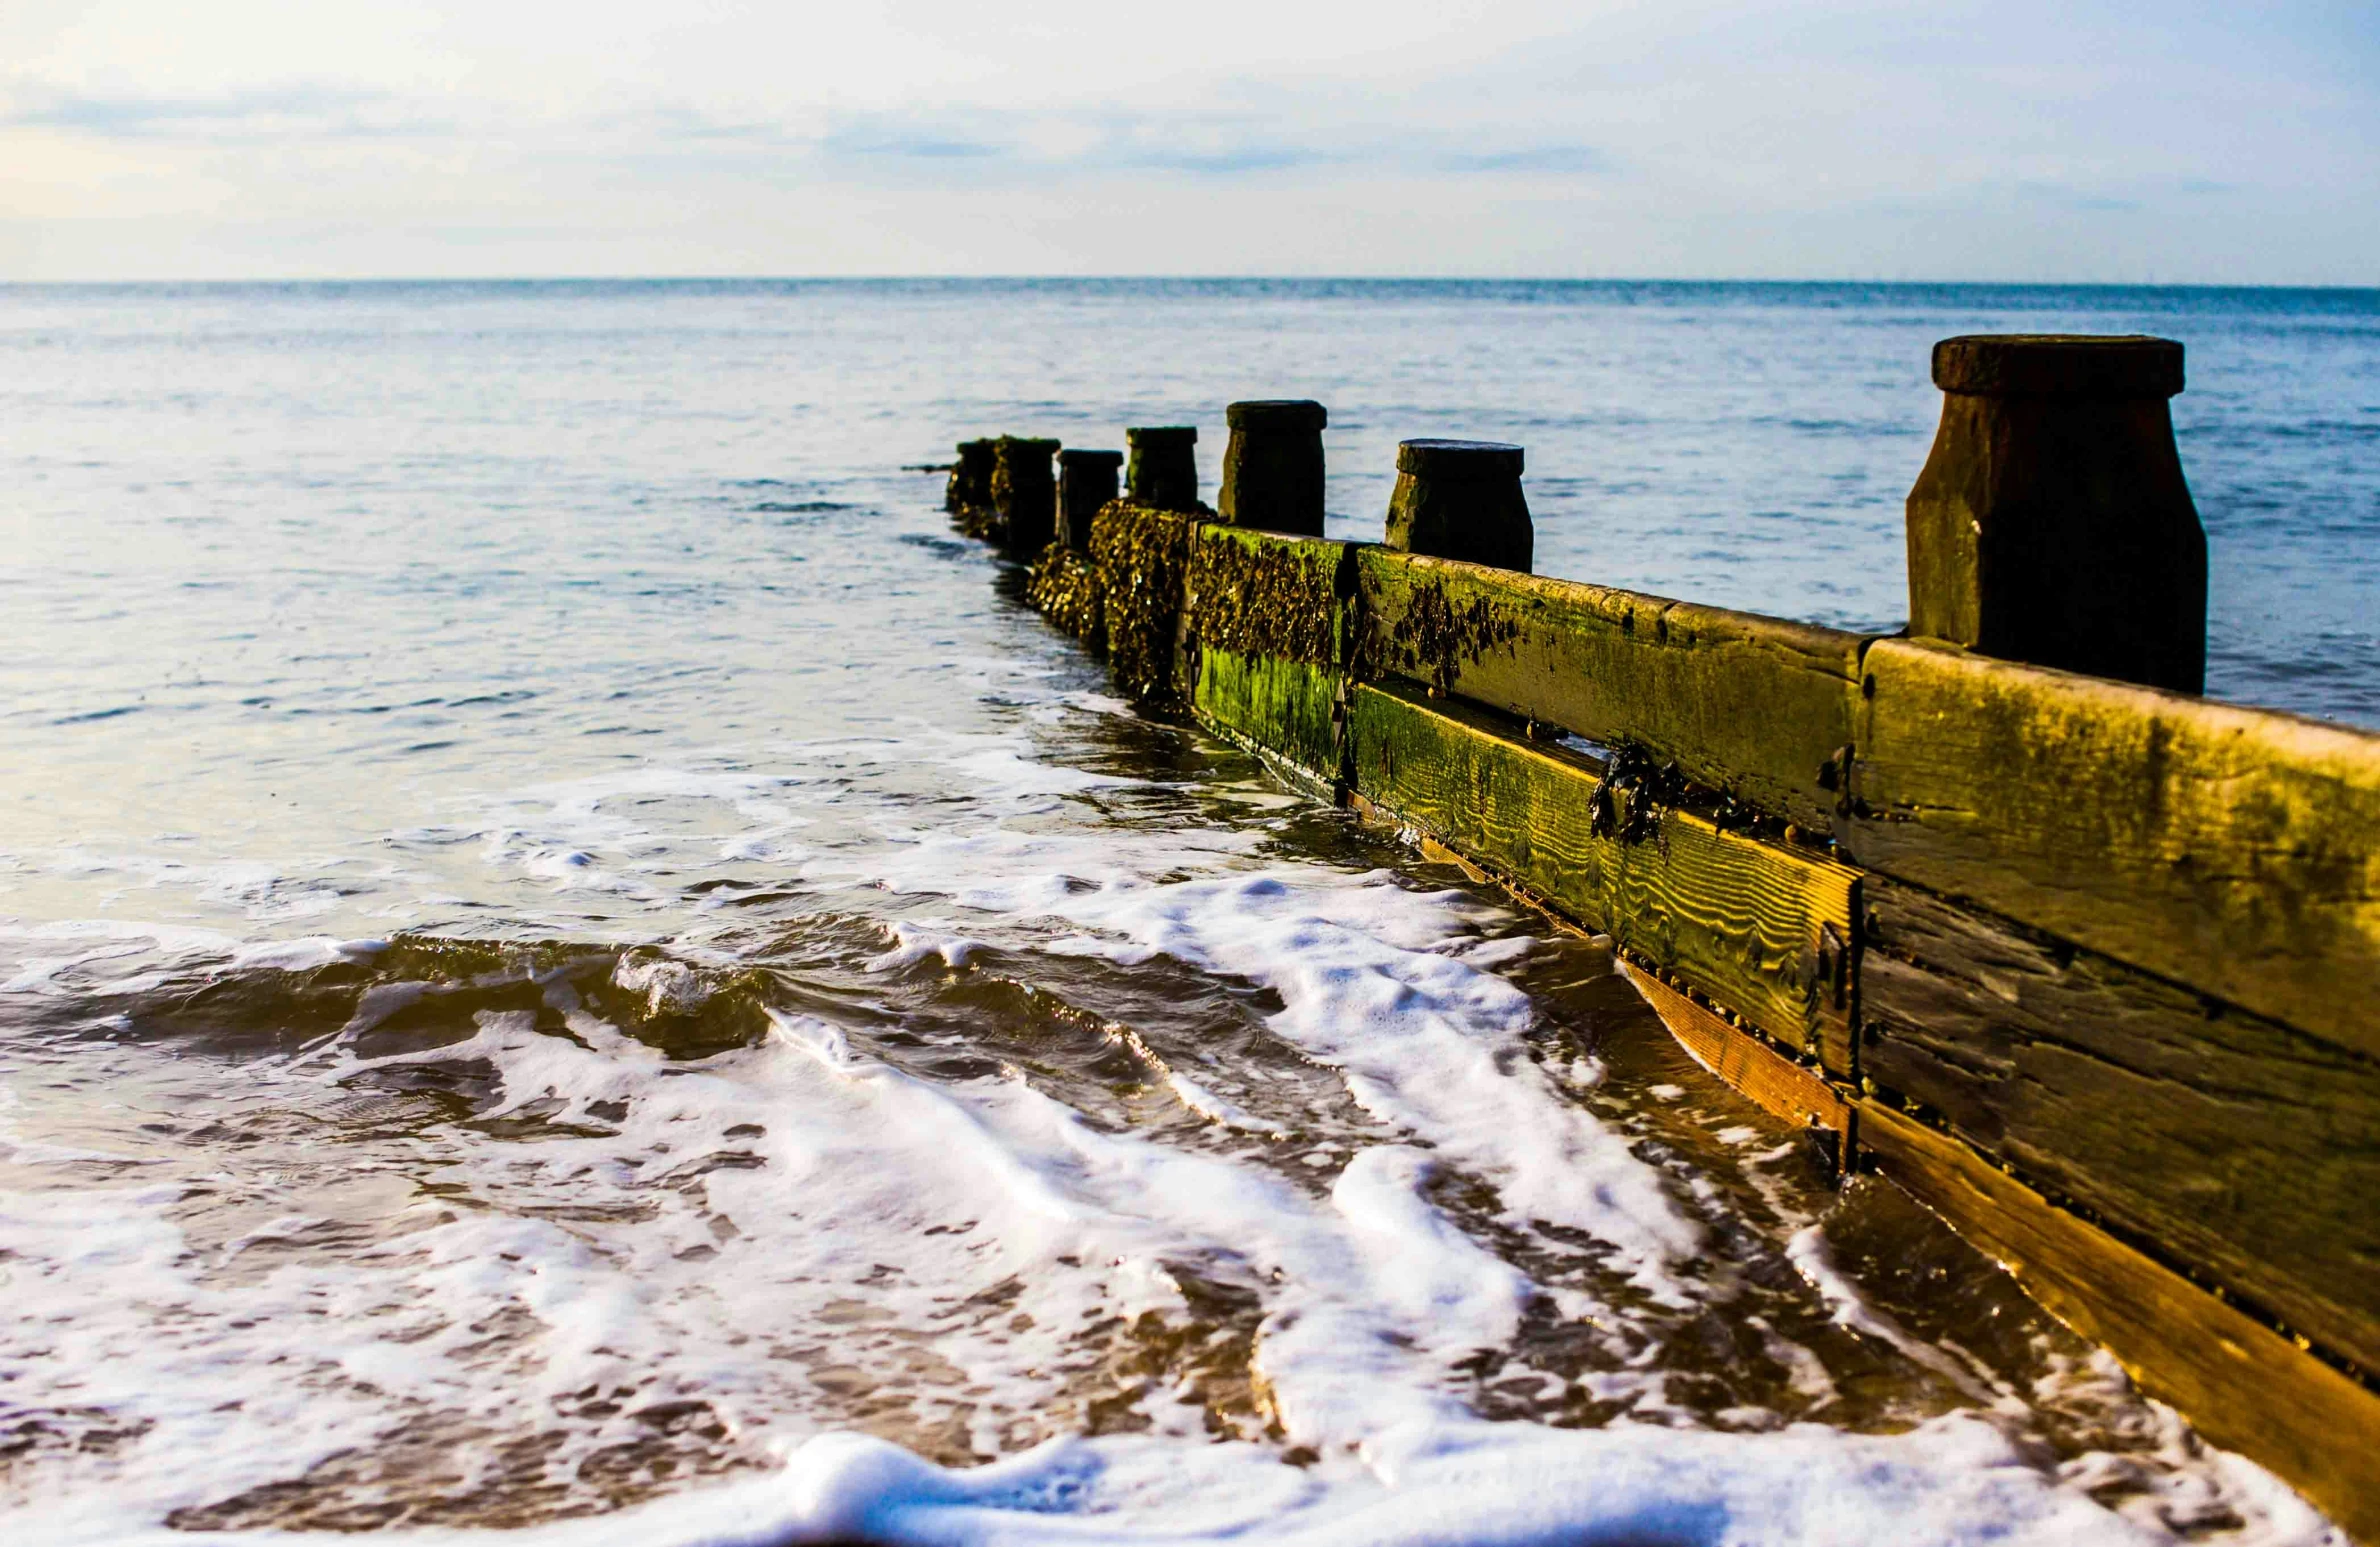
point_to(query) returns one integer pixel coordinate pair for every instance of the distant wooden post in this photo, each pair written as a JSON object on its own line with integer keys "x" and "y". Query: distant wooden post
{"x": 1163, "y": 472}
{"x": 970, "y": 478}
{"x": 1461, "y": 499}
{"x": 2051, "y": 524}
{"x": 1272, "y": 466}
{"x": 1024, "y": 492}
{"x": 1086, "y": 481}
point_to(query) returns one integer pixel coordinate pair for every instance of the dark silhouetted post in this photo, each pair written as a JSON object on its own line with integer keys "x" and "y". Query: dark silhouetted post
{"x": 1163, "y": 472}
{"x": 970, "y": 478}
{"x": 1086, "y": 481}
{"x": 1024, "y": 492}
{"x": 1461, "y": 499}
{"x": 1272, "y": 466}
{"x": 2051, "y": 524}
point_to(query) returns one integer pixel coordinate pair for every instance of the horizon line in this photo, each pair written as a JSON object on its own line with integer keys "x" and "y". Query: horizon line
{"x": 394, "y": 280}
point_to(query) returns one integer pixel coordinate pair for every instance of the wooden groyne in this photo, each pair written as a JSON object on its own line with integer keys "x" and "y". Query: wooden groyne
{"x": 1999, "y": 907}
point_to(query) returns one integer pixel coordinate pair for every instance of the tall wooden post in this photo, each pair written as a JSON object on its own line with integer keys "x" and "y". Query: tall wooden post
{"x": 1461, "y": 499}
{"x": 2051, "y": 524}
{"x": 1024, "y": 492}
{"x": 1272, "y": 466}
{"x": 1086, "y": 481}
{"x": 970, "y": 478}
{"x": 1163, "y": 472}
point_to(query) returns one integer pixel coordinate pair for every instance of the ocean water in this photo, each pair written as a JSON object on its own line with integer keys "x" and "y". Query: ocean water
{"x": 573, "y": 962}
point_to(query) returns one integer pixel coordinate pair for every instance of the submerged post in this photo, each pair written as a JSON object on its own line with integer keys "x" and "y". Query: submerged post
{"x": 1163, "y": 473}
{"x": 1461, "y": 499}
{"x": 2051, "y": 524}
{"x": 1086, "y": 481}
{"x": 1272, "y": 466}
{"x": 970, "y": 478}
{"x": 1024, "y": 492}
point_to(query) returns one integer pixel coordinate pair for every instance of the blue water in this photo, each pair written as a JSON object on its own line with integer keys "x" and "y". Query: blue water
{"x": 869, "y": 1026}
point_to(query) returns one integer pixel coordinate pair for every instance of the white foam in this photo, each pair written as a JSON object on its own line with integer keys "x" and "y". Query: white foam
{"x": 1430, "y": 1044}
{"x": 768, "y": 1227}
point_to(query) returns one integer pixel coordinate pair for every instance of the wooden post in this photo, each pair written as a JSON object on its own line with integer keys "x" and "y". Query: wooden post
{"x": 1086, "y": 481}
{"x": 1461, "y": 499}
{"x": 970, "y": 478}
{"x": 2051, "y": 524}
{"x": 1024, "y": 492}
{"x": 1163, "y": 472}
{"x": 1272, "y": 466}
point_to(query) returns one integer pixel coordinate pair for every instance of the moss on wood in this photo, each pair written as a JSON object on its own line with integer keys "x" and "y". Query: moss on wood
{"x": 1754, "y": 709}
{"x": 2233, "y": 850}
{"x": 1758, "y": 928}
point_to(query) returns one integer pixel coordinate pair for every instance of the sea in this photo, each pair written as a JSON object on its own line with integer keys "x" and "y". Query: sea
{"x": 576, "y": 966}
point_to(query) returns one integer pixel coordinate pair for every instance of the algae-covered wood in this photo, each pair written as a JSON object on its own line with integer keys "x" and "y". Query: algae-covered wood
{"x": 1260, "y": 594}
{"x": 1750, "y": 924}
{"x": 1753, "y": 706}
{"x": 2233, "y": 850}
{"x": 1283, "y": 707}
{"x": 1264, "y": 617}
{"x": 1143, "y": 559}
{"x": 2234, "y": 1143}
{"x": 2242, "y": 1385}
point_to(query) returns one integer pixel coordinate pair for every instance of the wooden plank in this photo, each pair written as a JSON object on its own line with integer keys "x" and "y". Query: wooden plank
{"x": 1773, "y": 1082}
{"x": 1753, "y": 707}
{"x": 1263, "y": 594}
{"x": 2243, "y": 1385}
{"x": 1263, "y": 618}
{"x": 1754, "y": 926}
{"x": 2236, "y": 851}
{"x": 1285, "y": 708}
{"x": 2240, "y": 1146}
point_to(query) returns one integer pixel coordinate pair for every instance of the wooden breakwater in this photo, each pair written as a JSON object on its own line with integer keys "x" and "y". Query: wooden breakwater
{"x": 2088, "y": 964}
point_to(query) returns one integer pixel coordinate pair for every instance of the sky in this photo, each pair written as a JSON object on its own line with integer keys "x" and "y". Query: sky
{"x": 2006, "y": 140}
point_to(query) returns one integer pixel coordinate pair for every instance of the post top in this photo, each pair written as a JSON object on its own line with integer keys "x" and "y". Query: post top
{"x": 1161, "y": 434}
{"x": 1459, "y": 458}
{"x": 1027, "y": 443}
{"x": 1277, "y": 414}
{"x": 1071, "y": 457}
{"x": 2058, "y": 364}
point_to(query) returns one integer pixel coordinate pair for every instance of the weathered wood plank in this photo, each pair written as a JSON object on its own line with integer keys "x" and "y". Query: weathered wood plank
{"x": 1752, "y": 925}
{"x": 1286, "y": 708}
{"x": 1773, "y": 1082}
{"x": 1264, "y": 617}
{"x": 2233, "y": 850}
{"x": 2236, "y": 1144}
{"x": 2243, "y": 1385}
{"x": 1263, "y": 594}
{"x": 1752, "y": 706}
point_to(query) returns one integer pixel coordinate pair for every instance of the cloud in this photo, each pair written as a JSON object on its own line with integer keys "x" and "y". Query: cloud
{"x": 266, "y": 113}
{"x": 1572, "y": 160}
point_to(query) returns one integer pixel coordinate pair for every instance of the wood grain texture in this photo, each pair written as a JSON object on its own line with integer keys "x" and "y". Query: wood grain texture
{"x": 2231, "y": 1142}
{"x": 1772, "y": 1081}
{"x": 1751, "y": 706}
{"x": 2243, "y": 1385}
{"x": 1744, "y": 922}
{"x": 1281, "y": 707}
{"x": 2236, "y": 851}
